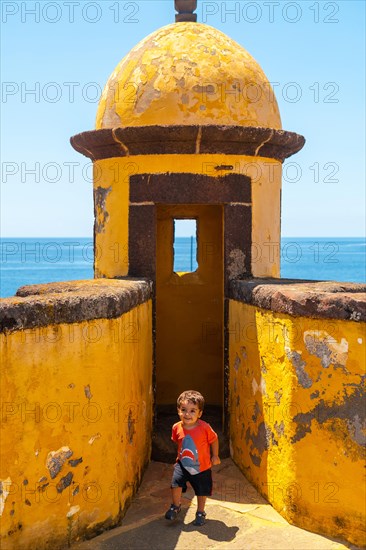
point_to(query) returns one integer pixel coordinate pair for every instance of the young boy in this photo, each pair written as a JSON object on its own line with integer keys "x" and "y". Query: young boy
{"x": 194, "y": 438}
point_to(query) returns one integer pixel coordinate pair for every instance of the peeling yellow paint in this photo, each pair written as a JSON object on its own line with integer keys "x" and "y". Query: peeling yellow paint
{"x": 111, "y": 253}
{"x": 188, "y": 74}
{"x": 5, "y": 486}
{"x": 301, "y": 439}
{"x": 65, "y": 451}
{"x": 73, "y": 510}
{"x": 93, "y": 438}
{"x": 326, "y": 347}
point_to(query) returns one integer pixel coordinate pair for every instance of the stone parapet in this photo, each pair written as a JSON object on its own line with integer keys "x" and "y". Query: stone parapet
{"x": 302, "y": 298}
{"x": 72, "y": 302}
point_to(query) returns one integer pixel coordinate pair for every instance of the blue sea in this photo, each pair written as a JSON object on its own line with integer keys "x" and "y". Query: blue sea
{"x": 26, "y": 261}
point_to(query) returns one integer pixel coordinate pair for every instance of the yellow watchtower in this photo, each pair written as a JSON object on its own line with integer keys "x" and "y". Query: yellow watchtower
{"x": 188, "y": 127}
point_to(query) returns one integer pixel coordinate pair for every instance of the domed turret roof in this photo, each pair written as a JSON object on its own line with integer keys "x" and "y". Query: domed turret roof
{"x": 188, "y": 74}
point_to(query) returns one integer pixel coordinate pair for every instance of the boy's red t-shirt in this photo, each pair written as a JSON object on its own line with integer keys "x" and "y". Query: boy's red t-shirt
{"x": 194, "y": 446}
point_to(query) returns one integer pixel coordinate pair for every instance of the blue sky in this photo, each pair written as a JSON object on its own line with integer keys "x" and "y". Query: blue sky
{"x": 64, "y": 51}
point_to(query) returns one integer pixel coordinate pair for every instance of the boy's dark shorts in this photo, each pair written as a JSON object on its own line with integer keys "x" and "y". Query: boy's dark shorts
{"x": 201, "y": 483}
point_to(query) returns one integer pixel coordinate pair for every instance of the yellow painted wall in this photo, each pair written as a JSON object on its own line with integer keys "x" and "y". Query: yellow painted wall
{"x": 112, "y": 176}
{"x": 296, "y": 413}
{"x": 190, "y": 309}
{"x": 86, "y": 388}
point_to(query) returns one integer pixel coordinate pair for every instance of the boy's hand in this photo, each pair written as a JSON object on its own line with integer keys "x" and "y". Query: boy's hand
{"x": 215, "y": 460}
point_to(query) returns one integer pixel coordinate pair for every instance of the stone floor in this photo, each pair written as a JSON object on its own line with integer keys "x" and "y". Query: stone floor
{"x": 237, "y": 518}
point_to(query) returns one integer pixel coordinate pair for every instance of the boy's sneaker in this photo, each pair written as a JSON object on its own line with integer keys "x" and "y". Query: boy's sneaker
{"x": 173, "y": 512}
{"x": 200, "y": 518}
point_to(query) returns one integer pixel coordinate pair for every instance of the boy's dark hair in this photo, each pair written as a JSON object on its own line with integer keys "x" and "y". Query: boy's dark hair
{"x": 191, "y": 395}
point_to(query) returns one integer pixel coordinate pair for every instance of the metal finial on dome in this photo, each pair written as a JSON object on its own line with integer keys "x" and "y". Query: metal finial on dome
{"x": 185, "y": 9}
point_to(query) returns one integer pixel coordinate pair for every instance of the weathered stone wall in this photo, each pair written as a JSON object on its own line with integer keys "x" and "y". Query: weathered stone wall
{"x": 76, "y": 395}
{"x": 296, "y": 399}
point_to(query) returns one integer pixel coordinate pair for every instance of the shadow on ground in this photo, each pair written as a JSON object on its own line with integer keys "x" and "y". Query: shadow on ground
{"x": 150, "y": 535}
{"x": 237, "y": 518}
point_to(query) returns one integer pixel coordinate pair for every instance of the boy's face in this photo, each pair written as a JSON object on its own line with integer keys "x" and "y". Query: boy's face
{"x": 189, "y": 413}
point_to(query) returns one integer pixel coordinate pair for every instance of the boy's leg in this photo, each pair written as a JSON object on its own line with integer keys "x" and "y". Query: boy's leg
{"x": 176, "y": 495}
{"x": 202, "y": 484}
{"x": 200, "y": 514}
{"x": 176, "y": 488}
{"x": 201, "y": 502}
{"x": 174, "y": 509}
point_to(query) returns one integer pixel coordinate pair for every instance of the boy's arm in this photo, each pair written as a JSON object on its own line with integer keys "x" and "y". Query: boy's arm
{"x": 215, "y": 460}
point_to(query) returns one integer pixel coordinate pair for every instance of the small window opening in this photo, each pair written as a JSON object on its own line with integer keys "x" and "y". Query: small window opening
{"x": 185, "y": 245}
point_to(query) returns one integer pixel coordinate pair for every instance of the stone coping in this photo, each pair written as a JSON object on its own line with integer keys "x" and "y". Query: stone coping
{"x": 302, "y": 298}
{"x": 188, "y": 140}
{"x": 75, "y": 301}
{"x": 72, "y": 302}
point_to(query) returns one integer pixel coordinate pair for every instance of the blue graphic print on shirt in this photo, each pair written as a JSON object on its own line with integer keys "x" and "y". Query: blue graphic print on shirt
{"x": 189, "y": 456}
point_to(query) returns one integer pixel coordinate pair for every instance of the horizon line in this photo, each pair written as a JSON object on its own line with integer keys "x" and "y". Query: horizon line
{"x": 186, "y": 236}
